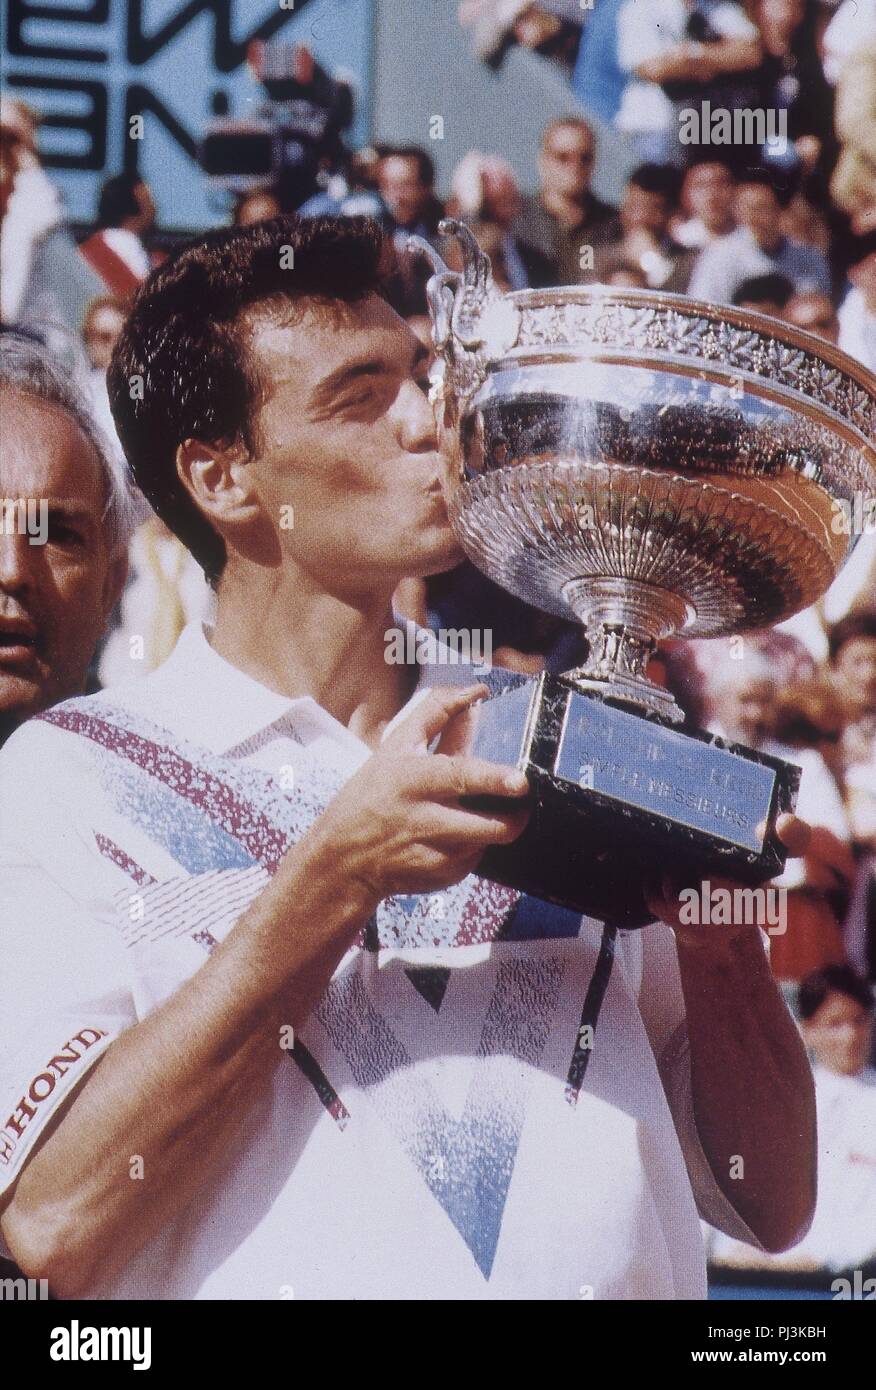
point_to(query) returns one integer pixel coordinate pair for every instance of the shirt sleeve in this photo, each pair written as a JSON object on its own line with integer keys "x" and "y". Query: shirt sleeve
{"x": 66, "y": 991}
{"x": 661, "y": 1005}
{"x": 712, "y": 275}
{"x": 640, "y": 36}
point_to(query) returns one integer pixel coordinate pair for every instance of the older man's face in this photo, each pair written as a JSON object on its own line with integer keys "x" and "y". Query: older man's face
{"x": 55, "y": 594}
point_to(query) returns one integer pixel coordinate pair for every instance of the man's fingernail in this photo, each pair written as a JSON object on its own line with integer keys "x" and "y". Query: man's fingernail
{"x": 516, "y": 781}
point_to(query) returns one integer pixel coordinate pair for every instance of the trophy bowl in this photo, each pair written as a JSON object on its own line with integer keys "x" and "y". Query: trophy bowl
{"x": 645, "y": 464}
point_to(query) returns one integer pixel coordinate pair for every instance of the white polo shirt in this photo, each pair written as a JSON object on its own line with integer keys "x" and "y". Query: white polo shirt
{"x": 436, "y": 1132}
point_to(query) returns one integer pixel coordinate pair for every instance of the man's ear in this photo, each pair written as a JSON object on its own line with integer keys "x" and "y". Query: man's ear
{"x": 216, "y": 478}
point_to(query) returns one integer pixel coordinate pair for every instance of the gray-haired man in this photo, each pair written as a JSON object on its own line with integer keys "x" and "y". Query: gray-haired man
{"x": 64, "y": 526}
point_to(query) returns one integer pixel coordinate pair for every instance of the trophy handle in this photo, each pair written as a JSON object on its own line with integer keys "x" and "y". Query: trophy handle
{"x": 471, "y": 318}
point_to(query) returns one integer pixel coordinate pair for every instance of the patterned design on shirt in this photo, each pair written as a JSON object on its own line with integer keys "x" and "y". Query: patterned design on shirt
{"x": 466, "y": 1163}
{"x": 111, "y": 851}
{"x": 212, "y": 813}
{"x": 227, "y": 826}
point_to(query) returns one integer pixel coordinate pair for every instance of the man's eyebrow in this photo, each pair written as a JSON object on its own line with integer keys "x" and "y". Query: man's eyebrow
{"x": 325, "y": 392}
{"x": 69, "y": 509}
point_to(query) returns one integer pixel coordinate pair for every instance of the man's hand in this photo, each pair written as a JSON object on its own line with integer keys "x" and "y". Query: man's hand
{"x": 398, "y": 825}
{"x": 794, "y": 834}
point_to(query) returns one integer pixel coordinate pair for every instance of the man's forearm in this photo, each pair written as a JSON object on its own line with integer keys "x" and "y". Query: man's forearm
{"x": 175, "y": 1088}
{"x": 700, "y": 62}
{"x": 753, "y": 1095}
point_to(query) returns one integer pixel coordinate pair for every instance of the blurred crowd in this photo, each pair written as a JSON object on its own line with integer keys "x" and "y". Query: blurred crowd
{"x": 782, "y": 221}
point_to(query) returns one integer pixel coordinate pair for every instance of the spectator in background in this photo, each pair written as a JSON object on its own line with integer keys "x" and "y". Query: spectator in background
{"x": 836, "y": 1019}
{"x": 836, "y": 1011}
{"x": 857, "y": 314}
{"x": 742, "y": 704}
{"x": 791, "y": 82}
{"x": 117, "y": 250}
{"x": 757, "y": 247}
{"x": 484, "y": 190}
{"x": 853, "y": 665}
{"x": 852, "y": 652}
{"x": 679, "y": 53}
{"x": 101, "y": 327}
{"x": 58, "y": 588}
{"x": 258, "y": 205}
{"x": 623, "y": 274}
{"x": 814, "y": 310}
{"x": 649, "y": 201}
{"x": 410, "y": 207}
{"x": 44, "y": 283}
{"x": 853, "y": 183}
{"x": 565, "y": 216}
{"x": 766, "y": 294}
{"x": 708, "y": 196}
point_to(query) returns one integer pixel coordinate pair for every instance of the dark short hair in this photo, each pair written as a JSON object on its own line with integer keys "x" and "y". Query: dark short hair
{"x": 118, "y": 200}
{"x": 425, "y": 163}
{"x": 775, "y": 288}
{"x": 832, "y": 979}
{"x": 782, "y": 183}
{"x": 855, "y": 625}
{"x": 183, "y": 340}
{"x": 657, "y": 178}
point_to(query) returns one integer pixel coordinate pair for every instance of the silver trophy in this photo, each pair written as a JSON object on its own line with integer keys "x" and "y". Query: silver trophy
{"x": 646, "y": 465}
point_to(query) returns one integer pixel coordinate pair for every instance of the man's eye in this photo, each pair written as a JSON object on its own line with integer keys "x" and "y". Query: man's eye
{"x": 62, "y": 533}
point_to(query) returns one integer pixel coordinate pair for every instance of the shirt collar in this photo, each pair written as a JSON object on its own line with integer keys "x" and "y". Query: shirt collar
{"x": 209, "y": 701}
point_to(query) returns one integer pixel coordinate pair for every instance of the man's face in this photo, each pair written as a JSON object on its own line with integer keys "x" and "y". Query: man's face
{"x": 814, "y": 312}
{"x": 746, "y": 709}
{"x": 402, "y": 189}
{"x": 55, "y": 596}
{"x": 104, "y": 326}
{"x": 856, "y": 668}
{"x": 645, "y": 212}
{"x": 566, "y": 162}
{"x": 839, "y": 1034}
{"x": 347, "y": 439}
{"x": 708, "y": 194}
{"x": 759, "y": 211}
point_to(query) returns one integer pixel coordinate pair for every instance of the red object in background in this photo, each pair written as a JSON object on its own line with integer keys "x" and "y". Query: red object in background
{"x": 118, "y": 277}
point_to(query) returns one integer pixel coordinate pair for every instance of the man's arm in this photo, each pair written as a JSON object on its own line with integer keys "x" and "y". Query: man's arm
{"x": 752, "y": 1087}
{"x": 701, "y": 62}
{"x": 175, "y": 1087}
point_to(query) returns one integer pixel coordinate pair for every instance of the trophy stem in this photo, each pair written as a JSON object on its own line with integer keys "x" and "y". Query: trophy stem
{"x": 623, "y": 622}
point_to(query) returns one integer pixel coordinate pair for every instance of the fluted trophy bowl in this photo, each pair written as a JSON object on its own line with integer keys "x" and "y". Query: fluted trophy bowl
{"x": 643, "y": 463}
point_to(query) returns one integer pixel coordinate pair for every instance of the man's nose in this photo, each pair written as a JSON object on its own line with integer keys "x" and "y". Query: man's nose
{"x": 417, "y": 430}
{"x": 16, "y": 561}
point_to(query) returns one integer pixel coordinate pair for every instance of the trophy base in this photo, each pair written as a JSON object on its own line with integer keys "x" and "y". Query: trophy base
{"x": 621, "y": 798}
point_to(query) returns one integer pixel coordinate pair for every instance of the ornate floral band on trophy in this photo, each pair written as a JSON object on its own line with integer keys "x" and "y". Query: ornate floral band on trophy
{"x": 646, "y": 465}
